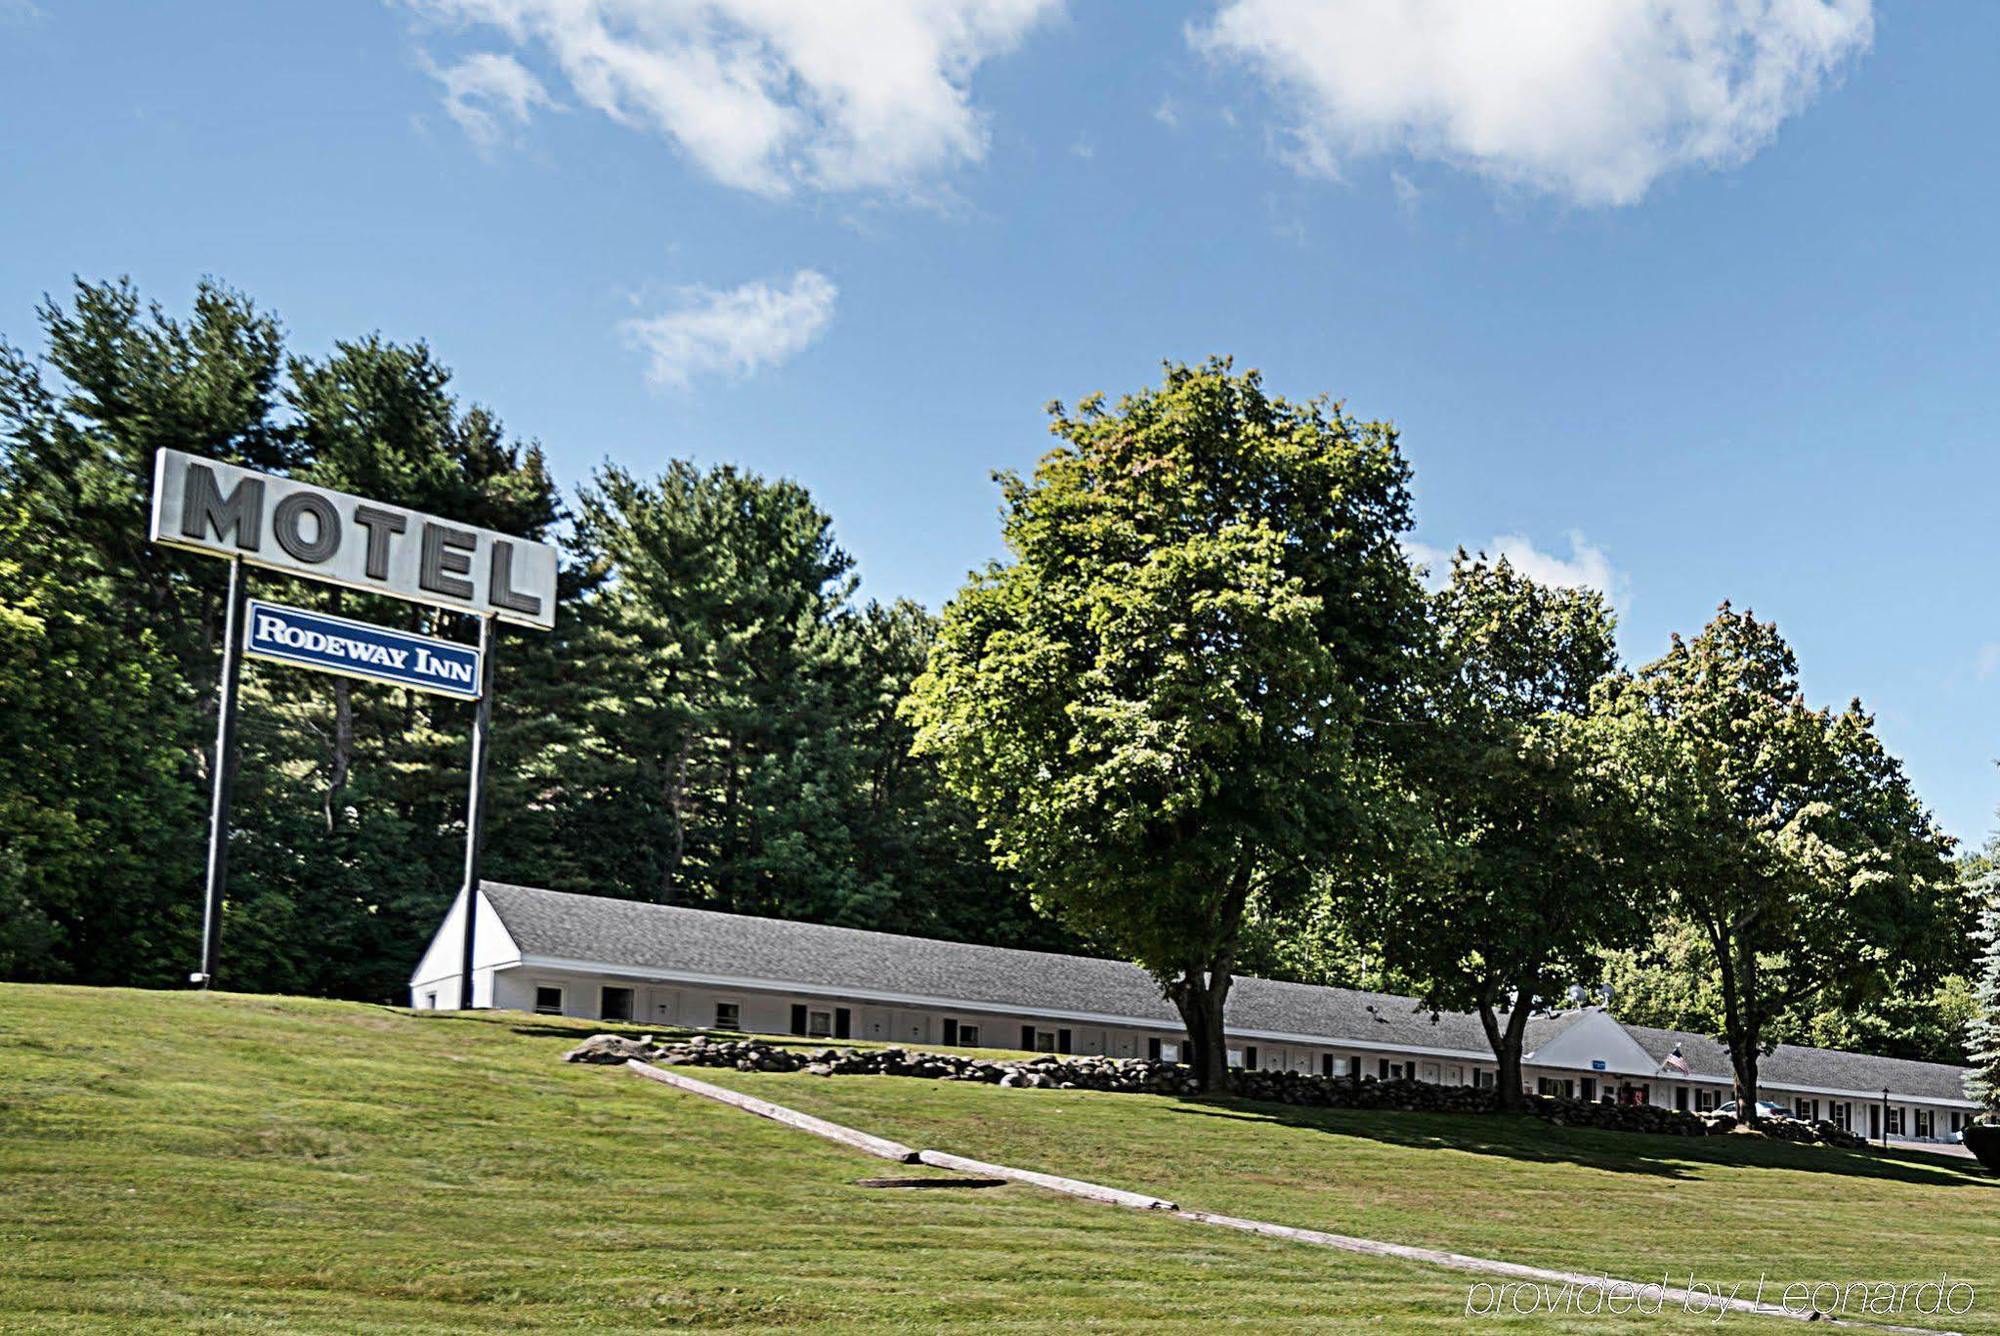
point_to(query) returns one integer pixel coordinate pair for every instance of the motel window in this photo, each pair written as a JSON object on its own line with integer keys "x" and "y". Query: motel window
{"x": 548, "y": 1000}
{"x": 1045, "y": 1041}
{"x": 728, "y": 1016}
{"x": 811, "y": 1023}
{"x": 1842, "y": 1114}
{"x": 1483, "y": 1079}
{"x": 1926, "y": 1123}
{"x": 1707, "y": 1101}
{"x": 1807, "y": 1109}
{"x": 1895, "y": 1120}
{"x": 1556, "y": 1087}
{"x": 1233, "y": 1057}
{"x": 968, "y": 1036}
{"x": 615, "y": 1004}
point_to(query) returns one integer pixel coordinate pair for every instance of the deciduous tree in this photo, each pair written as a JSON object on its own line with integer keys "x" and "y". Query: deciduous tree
{"x": 1162, "y": 704}
{"x": 1528, "y": 856}
{"x": 1794, "y": 842}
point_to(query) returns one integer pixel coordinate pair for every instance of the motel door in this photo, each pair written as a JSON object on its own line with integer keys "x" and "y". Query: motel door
{"x": 912, "y": 1027}
{"x": 875, "y": 1024}
{"x": 662, "y": 1006}
{"x": 1432, "y": 1074}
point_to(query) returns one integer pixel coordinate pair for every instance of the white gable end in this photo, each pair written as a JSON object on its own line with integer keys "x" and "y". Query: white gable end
{"x": 1595, "y": 1038}
{"x": 437, "y": 972}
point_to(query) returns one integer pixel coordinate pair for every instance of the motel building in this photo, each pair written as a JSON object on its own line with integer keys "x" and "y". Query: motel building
{"x": 626, "y": 961}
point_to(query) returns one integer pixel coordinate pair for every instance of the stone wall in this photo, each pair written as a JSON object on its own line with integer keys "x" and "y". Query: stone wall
{"x": 1050, "y": 1071}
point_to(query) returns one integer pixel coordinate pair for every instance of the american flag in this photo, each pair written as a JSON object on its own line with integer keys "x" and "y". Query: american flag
{"x": 1676, "y": 1063}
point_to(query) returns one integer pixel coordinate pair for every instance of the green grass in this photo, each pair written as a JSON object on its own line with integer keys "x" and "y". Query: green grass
{"x": 1727, "y": 1208}
{"x": 181, "y": 1163}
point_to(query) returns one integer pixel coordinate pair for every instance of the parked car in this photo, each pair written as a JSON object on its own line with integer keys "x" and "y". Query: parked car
{"x": 1765, "y": 1109}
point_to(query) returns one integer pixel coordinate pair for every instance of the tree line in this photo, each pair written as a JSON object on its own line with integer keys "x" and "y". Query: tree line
{"x": 1209, "y": 713}
{"x": 712, "y": 722}
{"x": 1205, "y": 716}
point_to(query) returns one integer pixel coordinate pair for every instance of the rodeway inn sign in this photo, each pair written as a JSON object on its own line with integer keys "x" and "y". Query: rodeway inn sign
{"x": 256, "y": 519}
{"x": 337, "y": 645}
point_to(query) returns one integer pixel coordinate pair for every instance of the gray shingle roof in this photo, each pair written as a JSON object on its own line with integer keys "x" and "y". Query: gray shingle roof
{"x": 1796, "y": 1065}
{"x": 637, "y": 935}
{"x": 632, "y": 934}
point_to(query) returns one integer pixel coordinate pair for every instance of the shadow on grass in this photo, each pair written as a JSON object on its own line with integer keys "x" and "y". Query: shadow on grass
{"x": 1532, "y": 1140}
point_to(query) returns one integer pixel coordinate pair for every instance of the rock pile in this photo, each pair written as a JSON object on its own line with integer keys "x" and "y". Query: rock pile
{"x": 1818, "y": 1132}
{"x": 1049, "y": 1071}
{"x": 1620, "y": 1117}
{"x": 1139, "y": 1076}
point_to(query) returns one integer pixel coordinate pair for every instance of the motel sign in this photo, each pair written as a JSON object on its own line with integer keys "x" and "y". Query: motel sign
{"x": 281, "y": 524}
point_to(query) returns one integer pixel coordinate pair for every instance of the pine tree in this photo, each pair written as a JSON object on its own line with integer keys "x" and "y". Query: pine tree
{"x": 1983, "y": 1035}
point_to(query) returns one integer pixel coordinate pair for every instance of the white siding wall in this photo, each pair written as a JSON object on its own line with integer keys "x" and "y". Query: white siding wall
{"x": 769, "y": 1011}
{"x": 434, "y": 984}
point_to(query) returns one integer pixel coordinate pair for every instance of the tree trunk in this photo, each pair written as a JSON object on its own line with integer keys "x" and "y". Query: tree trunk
{"x": 1202, "y": 989}
{"x": 342, "y": 763}
{"x": 1199, "y": 998}
{"x": 1506, "y": 1042}
{"x": 676, "y": 801}
{"x": 1738, "y": 1025}
{"x": 1745, "y": 1066}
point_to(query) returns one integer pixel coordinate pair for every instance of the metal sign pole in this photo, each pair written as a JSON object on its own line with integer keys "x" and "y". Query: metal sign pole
{"x": 224, "y": 775}
{"x": 475, "y": 806}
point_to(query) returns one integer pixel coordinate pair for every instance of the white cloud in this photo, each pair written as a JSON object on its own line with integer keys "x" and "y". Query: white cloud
{"x": 772, "y": 95}
{"x": 1590, "y": 100}
{"x": 486, "y": 93}
{"x": 1989, "y": 660}
{"x": 1167, "y": 114}
{"x": 736, "y": 332}
{"x": 1586, "y": 567}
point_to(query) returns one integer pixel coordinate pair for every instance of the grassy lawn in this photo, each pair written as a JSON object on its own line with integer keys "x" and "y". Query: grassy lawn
{"x": 174, "y": 1162}
{"x": 1724, "y": 1208}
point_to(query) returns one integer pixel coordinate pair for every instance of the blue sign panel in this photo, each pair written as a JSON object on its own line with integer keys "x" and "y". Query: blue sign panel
{"x": 1597, "y": 1064}
{"x": 337, "y": 645}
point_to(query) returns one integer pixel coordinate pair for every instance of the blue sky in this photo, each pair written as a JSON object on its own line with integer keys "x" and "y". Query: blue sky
{"x": 1691, "y": 302}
